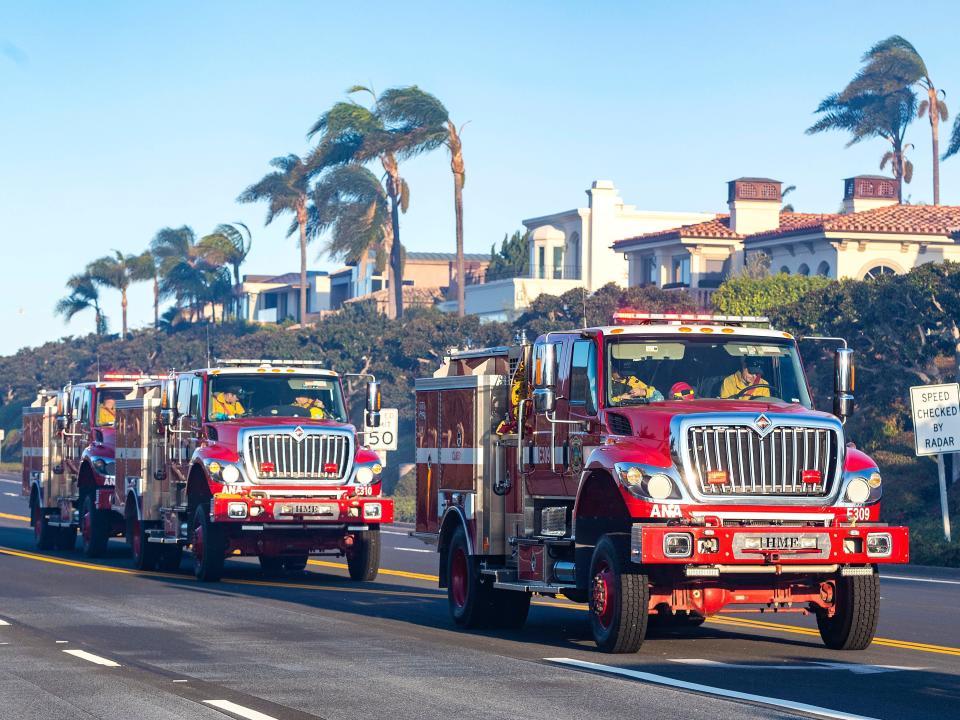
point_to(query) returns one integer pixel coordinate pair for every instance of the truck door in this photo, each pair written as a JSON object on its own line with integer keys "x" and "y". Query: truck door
{"x": 184, "y": 435}
{"x": 580, "y": 404}
{"x": 78, "y": 432}
{"x": 428, "y": 460}
{"x": 545, "y": 463}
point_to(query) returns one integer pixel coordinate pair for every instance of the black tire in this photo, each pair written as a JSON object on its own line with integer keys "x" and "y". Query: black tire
{"x": 170, "y": 558}
{"x": 271, "y": 565}
{"x": 209, "y": 546}
{"x": 294, "y": 565}
{"x": 44, "y": 536}
{"x": 854, "y": 623}
{"x": 468, "y": 593}
{"x": 509, "y": 608}
{"x": 67, "y": 538}
{"x": 363, "y": 559}
{"x": 619, "y": 598}
{"x": 94, "y": 527}
{"x": 146, "y": 555}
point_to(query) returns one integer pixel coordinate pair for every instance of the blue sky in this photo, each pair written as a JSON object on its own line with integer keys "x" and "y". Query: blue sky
{"x": 117, "y": 119}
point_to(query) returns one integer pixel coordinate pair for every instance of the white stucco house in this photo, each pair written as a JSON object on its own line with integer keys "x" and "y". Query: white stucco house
{"x": 571, "y": 249}
{"x": 873, "y": 235}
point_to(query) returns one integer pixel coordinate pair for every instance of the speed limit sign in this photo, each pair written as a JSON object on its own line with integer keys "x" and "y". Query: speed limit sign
{"x": 383, "y": 437}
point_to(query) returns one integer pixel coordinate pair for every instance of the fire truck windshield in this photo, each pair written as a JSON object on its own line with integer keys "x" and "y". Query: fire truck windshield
{"x": 234, "y": 396}
{"x": 646, "y": 370}
{"x": 107, "y": 405}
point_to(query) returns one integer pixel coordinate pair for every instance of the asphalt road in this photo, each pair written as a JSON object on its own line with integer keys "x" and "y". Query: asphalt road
{"x": 99, "y": 640}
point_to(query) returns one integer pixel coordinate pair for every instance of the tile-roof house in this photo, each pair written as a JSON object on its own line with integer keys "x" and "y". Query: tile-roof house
{"x": 873, "y": 235}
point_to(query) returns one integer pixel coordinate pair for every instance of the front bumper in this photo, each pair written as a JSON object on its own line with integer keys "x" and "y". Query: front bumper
{"x": 318, "y": 512}
{"x": 771, "y": 549}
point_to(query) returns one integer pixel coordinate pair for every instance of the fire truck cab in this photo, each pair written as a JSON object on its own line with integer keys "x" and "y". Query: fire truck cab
{"x": 661, "y": 469}
{"x": 69, "y": 464}
{"x": 250, "y": 457}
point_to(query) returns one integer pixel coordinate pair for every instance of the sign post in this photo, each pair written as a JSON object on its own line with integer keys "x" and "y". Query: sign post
{"x": 936, "y": 427}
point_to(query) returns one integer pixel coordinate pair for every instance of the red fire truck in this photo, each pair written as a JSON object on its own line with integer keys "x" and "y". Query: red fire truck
{"x": 68, "y": 462}
{"x": 661, "y": 470}
{"x": 251, "y": 457}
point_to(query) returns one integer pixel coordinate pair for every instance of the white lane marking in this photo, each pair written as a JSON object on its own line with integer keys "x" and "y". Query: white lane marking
{"x": 62, "y": 642}
{"x": 12, "y": 482}
{"x": 181, "y": 681}
{"x": 412, "y": 549}
{"x": 814, "y": 665}
{"x": 90, "y": 657}
{"x": 239, "y": 710}
{"x": 393, "y": 532}
{"x": 916, "y": 579}
{"x": 708, "y": 690}
{"x": 12, "y": 494}
{"x": 4, "y": 622}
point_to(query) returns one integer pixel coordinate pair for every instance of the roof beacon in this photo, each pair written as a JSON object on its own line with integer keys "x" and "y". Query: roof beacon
{"x": 633, "y": 317}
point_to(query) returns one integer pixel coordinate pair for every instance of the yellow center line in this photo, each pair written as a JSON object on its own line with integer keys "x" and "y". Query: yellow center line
{"x": 8, "y": 516}
{"x": 383, "y": 571}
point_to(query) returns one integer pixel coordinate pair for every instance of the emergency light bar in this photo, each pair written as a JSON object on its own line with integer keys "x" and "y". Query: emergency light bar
{"x": 239, "y": 362}
{"x": 118, "y": 377}
{"x": 624, "y": 317}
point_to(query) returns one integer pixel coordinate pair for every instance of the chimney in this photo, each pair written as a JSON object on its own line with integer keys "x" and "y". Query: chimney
{"x": 868, "y": 192}
{"x": 754, "y": 205}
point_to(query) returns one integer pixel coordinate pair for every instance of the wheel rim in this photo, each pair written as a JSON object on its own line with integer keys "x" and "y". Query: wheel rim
{"x": 198, "y": 542}
{"x": 458, "y": 577}
{"x": 602, "y": 594}
{"x": 136, "y": 539}
{"x": 86, "y": 524}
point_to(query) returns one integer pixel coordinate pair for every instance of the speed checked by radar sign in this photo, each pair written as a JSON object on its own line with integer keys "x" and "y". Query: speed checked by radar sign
{"x": 384, "y": 436}
{"x": 936, "y": 418}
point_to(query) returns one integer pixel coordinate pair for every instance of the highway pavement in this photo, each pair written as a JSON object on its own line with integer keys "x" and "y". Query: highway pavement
{"x": 96, "y": 639}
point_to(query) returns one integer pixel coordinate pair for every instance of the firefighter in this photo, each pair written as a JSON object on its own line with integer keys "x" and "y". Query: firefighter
{"x": 107, "y": 413}
{"x": 226, "y": 403}
{"x": 314, "y": 406}
{"x": 629, "y": 387}
{"x": 748, "y": 376}
{"x": 682, "y": 391}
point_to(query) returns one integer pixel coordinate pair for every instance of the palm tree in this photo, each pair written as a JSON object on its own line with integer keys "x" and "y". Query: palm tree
{"x": 894, "y": 64}
{"x": 228, "y": 244}
{"x": 349, "y": 201}
{"x": 787, "y": 207}
{"x": 175, "y": 252}
{"x": 389, "y": 131}
{"x": 83, "y": 296}
{"x": 118, "y": 271}
{"x": 286, "y": 191}
{"x": 872, "y": 115}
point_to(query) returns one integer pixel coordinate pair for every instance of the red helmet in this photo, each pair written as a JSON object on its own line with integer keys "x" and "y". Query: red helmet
{"x": 681, "y": 391}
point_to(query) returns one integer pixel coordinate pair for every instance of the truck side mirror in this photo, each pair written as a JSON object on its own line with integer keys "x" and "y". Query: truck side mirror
{"x": 168, "y": 402}
{"x": 843, "y": 383}
{"x": 373, "y": 404}
{"x": 63, "y": 409}
{"x": 544, "y": 400}
{"x": 546, "y": 376}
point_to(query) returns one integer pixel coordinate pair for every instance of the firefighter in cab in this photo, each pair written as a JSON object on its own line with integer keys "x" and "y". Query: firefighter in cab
{"x": 747, "y": 382}
{"x": 627, "y": 387}
{"x": 107, "y": 413}
{"x": 226, "y": 404}
{"x": 306, "y": 405}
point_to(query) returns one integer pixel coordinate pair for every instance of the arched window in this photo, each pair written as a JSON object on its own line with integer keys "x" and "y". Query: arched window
{"x": 803, "y": 269}
{"x": 785, "y": 270}
{"x": 572, "y": 268}
{"x": 878, "y": 270}
{"x": 823, "y": 269}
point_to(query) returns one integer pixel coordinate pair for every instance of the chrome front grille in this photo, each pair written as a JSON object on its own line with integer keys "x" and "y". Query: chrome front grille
{"x": 278, "y": 456}
{"x": 773, "y": 464}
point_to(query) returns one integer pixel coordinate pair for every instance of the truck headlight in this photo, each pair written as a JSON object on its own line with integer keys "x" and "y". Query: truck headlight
{"x": 237, "y": 510}
{"x": 646, "y": 482}
{"x": 364, "y": 475}
{"x": 858, "y": 491}
{"x": 372, "y": 510}
{"x": 659, "y": 486}
{"x": 677, "y": 545}
{"x": 874, "y": 480}
{"x": 879, "y": 544}
{"x": 230, "y": 474}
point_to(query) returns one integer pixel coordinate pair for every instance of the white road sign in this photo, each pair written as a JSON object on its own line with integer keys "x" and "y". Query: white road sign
{"x": 936, "y": 418}
{"x": 383, "y": 437}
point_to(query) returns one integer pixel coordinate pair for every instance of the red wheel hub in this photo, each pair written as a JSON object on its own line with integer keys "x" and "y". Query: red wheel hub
{"x": 601, "y": 596}
{"x": 458, "y": 577}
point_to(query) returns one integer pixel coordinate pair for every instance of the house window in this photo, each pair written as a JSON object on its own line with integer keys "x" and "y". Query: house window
{"x": 558, "y": 263}
{"x": 573, "y": 254}
{"x": 804, "y": 269}
{"x": 269, "y": 301}
{"x": 715, "y": 272}
{"x": 648, "y": 270}
{"x": 877, "y": 271}
{"x": 823, "y": 269}
{"x": 541, "y": 262}
{"x": 680, "y": 271}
